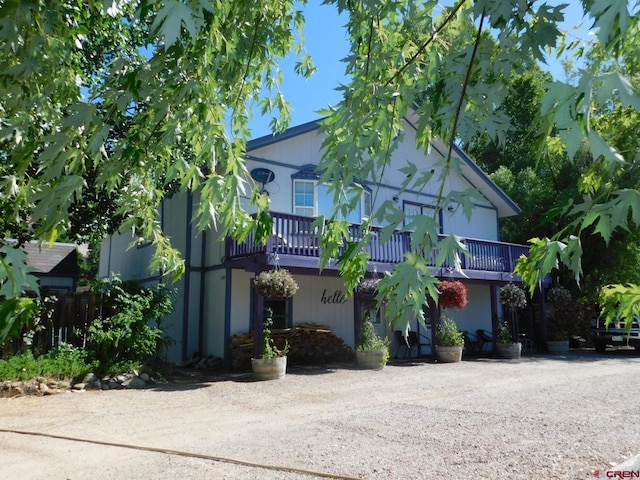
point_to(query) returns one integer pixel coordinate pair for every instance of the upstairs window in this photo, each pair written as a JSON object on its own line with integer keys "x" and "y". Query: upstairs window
{"x": 365, "y": 207}
{"x": 312, "y": 198}
{"x": 304, "y": 199}
{"x": 412, "y": 209}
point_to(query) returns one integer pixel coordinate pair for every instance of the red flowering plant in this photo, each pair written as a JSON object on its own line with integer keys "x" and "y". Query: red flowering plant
{"x": 452, "y": 294}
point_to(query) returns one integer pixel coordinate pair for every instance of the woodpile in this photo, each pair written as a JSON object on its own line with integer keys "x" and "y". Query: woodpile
{"x": 309, "y": 344}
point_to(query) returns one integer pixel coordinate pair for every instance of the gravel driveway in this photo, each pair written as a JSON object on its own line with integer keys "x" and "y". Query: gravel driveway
{"x": 537, "y": 418}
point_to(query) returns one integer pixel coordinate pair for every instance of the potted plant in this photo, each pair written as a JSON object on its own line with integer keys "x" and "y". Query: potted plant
{"x": 372, "y": 351}
{"x": 562, "y": 309}
{"x": 513, "y": 298}
{"x": 506, "y": 346}
{"x": 272, "y": 363}
{"x": 449, "y": 341}
{"x": 276, "y": 283}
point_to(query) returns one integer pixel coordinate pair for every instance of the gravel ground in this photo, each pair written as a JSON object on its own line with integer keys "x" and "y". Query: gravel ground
{"x": 539, "y": 417}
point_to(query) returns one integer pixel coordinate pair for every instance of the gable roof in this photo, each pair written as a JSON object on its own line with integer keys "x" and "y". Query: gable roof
{"x": 279, "y": 137}
{"x": 59, "y": 259}
{"x": 480, "y": 180}
{"x": 472, "y": 172}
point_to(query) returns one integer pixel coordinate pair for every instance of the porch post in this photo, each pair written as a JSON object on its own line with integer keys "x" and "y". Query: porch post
{"x": 543, "y": 315}
{"x": 258, "y": 320}
{"x": 357, "y": 319}
{"x": 434, "y": 312}
{"x": 494, "y": 312}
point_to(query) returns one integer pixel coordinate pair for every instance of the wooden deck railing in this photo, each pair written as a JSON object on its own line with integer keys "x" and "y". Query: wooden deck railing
{"x": 294, "y": 235}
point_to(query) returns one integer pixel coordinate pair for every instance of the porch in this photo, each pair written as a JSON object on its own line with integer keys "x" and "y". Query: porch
{"x": 294, "y": 244}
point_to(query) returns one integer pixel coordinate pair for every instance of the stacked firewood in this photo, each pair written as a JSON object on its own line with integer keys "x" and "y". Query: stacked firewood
{"x": 309, "y": 344}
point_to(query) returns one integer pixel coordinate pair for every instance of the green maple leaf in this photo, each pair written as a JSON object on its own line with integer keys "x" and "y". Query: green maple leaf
{"x": 14, "y": 314}
{"x": 611, "y": 19}
{"x": 15, "y": 274}
{"x": 449, "y": 248}
{"x": 170, "y": 20}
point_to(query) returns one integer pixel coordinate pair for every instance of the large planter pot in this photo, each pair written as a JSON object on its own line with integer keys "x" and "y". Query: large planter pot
{"x": 448, "y": 354}
{"x": 269, "y": 368}
{"x": 371, "y": 359}
{"x": 509, "y": 350}
{"x": 558, "y": 347}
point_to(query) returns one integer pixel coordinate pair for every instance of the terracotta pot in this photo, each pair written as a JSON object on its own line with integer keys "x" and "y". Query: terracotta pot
{"x": 448, "y": 354}
{"x": 509, "y": 350}
{"x": 371, "y": 359}
{"x": 269, "y": 368}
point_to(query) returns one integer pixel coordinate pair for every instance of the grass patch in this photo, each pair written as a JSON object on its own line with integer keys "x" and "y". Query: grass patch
{"x": 65, "y": 362}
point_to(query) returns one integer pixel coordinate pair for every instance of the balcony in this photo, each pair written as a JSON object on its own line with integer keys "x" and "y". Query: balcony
{"x": 294, "y": 243}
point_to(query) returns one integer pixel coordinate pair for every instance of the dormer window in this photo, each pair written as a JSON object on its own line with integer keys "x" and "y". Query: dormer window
{"x": 304, "y": 197}
{"x": 312, "y": 198}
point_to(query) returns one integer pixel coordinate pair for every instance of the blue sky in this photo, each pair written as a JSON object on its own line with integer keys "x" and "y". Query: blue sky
{"x": 326, "y": 42}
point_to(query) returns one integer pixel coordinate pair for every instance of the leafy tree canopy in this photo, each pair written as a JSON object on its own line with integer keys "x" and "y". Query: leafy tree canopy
{"x": 136, "y": 99}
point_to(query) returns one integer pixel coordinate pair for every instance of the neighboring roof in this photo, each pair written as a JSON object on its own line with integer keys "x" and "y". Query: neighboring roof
{"x": 59, "y": 259}
{"x": 472, "y": 172}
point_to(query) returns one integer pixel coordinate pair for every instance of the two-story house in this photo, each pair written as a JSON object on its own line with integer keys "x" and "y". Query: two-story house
{"x": 216, "y": 298}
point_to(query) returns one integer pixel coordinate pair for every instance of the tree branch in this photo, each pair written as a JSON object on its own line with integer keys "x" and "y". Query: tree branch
{"x": 429, "y": 40}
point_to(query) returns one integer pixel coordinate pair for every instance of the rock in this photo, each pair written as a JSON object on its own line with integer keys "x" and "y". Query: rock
{"x": 134, "y": 382}
{"x": 145, "y": 377}
{"x": 94, "y": 385}
{"x": 31, "y": 387}
{"x": 16, "y": 391}
{"x": 44, "y": 389}
{"x": 90, "y": 378}
{"x": 10, "y": 389}
{"x": 64, "y": 385}
{"x": 79, "y": 386}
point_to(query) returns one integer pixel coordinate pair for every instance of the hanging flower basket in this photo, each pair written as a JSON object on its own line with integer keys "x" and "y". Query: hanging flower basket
{"x": 368, "y": 290}
{"x": 452, "y": 294}
{"x": 513, "y": 296}
{"x": 276, "y": 284}
{"x": 369, "y": 287}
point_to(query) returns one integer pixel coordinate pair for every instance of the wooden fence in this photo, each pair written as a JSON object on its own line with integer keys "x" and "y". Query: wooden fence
{"x": 66, "y": 318}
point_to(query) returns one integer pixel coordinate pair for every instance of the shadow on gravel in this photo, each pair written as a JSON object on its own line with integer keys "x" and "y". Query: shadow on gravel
{"x": 585, "y": 355}
{"x": 183, "y": 379}
{"x": 318, "y": 369}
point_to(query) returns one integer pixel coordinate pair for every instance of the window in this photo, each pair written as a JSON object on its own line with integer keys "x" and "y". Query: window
{"x": 311, "y": 198}
{"x": 304, "y": 197}
{"x": 412, "y": 209}
{"x": 366, "y": 204}
{"x": 281, "y": 312}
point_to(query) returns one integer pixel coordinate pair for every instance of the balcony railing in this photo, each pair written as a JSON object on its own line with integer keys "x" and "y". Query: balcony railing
{"x": 294, "y": 235}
